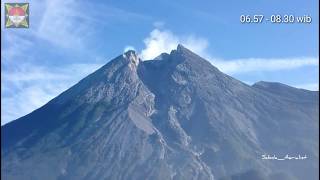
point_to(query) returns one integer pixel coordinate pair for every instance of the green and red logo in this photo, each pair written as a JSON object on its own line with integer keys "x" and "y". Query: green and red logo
{"x": 17, "y": 15}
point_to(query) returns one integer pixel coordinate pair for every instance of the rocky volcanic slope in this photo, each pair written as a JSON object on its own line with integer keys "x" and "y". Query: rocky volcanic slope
{"x": 177, "y": 117}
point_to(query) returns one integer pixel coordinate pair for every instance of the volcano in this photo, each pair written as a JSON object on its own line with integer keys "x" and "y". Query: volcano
{"x": 174, "y": 117}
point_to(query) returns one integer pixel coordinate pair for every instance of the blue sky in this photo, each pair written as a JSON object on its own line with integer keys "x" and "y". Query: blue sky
{"x": 68, "y": 39}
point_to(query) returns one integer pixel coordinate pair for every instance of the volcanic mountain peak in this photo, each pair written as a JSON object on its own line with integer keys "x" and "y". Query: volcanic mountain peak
{"x": 183, "y": 49}
{"x": 132, "y": 56}
{"x": 162, "y": 56}
{"x": 174, "y": 118}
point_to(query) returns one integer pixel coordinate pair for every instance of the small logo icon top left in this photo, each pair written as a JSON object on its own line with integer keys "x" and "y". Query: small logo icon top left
{"x": 17, "y": 15}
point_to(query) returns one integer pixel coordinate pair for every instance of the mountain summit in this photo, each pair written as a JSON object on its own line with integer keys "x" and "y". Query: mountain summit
{"x": 175, "y": 117}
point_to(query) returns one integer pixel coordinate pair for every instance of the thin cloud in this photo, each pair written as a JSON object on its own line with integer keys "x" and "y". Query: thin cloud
{"x": 30, "y": 73}
{"x": 36, "y": 85}
{"x": 263, "y": 64}
{"x": 61, "y": 26}
{"x": 68, "y": 27}
{"x": 308, "y": 86}
{"x": 25, "y": 101}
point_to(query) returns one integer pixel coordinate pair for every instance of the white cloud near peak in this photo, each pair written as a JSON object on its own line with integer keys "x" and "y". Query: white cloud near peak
{"x": 160, "y": 41}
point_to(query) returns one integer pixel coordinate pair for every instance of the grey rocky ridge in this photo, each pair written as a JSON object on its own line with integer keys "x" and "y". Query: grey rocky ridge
{"x": 175, "y": 117}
